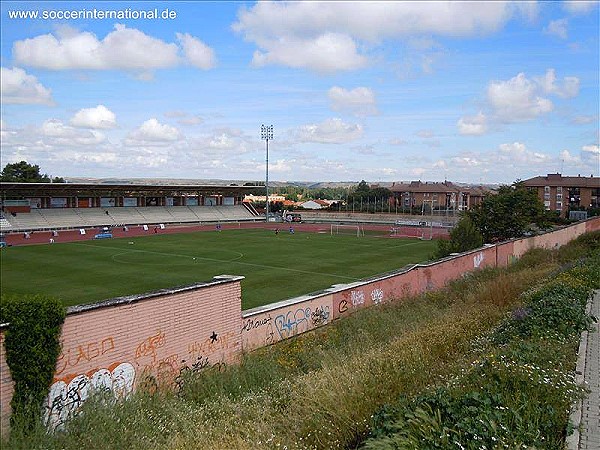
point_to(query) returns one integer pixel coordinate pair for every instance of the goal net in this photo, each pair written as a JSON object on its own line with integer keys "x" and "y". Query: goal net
{"x": 351, "y": 230}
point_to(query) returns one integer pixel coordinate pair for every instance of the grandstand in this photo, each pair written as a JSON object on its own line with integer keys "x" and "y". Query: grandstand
{"x": 69, "y": 218}
{"x": 52, "y": 206}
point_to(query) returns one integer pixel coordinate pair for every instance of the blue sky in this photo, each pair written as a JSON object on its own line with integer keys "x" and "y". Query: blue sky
{"x": 383, "y": 91}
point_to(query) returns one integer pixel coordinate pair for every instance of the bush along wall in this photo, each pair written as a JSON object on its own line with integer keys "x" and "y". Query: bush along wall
{"x": 518, "y": 393}
{"x": 32, "y": 348}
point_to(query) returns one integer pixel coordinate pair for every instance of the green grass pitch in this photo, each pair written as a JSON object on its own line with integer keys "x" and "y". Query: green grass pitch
{"x": 276, "y": 267}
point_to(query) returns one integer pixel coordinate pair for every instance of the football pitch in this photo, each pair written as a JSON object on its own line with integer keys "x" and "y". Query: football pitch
{"x": 275, "y": 267}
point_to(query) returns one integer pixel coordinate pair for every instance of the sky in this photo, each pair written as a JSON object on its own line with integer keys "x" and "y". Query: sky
{"x": 472, "y": 92}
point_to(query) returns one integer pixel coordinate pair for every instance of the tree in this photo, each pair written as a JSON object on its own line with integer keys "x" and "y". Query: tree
{"x": 463, "y": 237}
{"x": 23, "y": 172}
{"x": 512, "y": 212}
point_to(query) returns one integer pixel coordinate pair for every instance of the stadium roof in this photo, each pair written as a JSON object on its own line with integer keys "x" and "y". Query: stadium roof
{"x": 14, "y": 190}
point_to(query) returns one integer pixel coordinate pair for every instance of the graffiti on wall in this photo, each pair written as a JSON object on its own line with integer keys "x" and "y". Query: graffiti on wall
{"x": 266, "y": 323}
{"x": 201, "y": 363}
{"x": 71, "y": 357}
{"x": 357, "y": 299}
{"x": 214, "y": 343}
{"x": 302, "y": 319}
{"x": 68, "y": 395}
{"x": 149, "y": 345}
{"x": 477, "y": 260}
{"x": 377, "y": 296}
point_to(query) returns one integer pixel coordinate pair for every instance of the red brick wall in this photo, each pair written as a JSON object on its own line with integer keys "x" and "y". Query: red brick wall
{"x": 146, "y": 339}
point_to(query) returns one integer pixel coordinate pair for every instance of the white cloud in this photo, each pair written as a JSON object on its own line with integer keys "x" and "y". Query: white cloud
{"x": 465, "y": 161}
{"x": 517, "y": 152}
{"x": 324, "y": 36}
{"x": 594, "y": 149}
{"x": 566, "y": 156}
{"x": 373, "y": 21}
{"x": 152, "y": 132}
{"x": 122, "y": 49}
{"x": 176, "y": 114}
{"x": 280, "y": 166}
{"x": 326, "y": 53}
{"x": 330, "y": 131}
{"x": 472, "y": 125}
{"x": 398, "y": 141}
{"x": 364, "y": 149}
{"x": 568, "y": 89}
{"x": 584, "y": 119}
{"x": 61, "y": 134}
{"x": 359, "y": 101}
{"x": 219, "y": 144}
{"x": 197, "y": 52}
{"x": 191, "y": 120}
{"x": 517, "y": 99}
{"x": 426, "y": 134}
{"x": 185, "y": 118}
{"x": 557, "y": 28}
{"x": 99, "y": 117}
{"x": 579, "y": 6}
{"x": 18, "y": 87}
{"x": 588, "y": 158}
{"x": 417, "y": 171}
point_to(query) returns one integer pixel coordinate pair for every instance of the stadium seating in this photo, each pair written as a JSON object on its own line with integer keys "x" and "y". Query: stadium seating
{"x": 65, "y": 218}
{"x": 28, "y": 221}
{"x": 4, "y": 224}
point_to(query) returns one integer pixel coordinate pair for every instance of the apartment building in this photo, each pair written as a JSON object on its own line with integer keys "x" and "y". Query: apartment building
{"x": 561, "y": 193}
{"x": 438, "y": 195}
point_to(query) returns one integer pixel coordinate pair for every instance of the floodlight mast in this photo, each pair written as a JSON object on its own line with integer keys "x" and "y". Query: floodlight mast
{"x": 266, "y": 134}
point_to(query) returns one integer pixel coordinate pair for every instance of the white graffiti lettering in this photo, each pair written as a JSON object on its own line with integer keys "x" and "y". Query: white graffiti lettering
{"x": 477, "y": 260}
{"x": 357, "y": 297}
{"x": 377, "y": 296}
{"x": 65, "y": 400}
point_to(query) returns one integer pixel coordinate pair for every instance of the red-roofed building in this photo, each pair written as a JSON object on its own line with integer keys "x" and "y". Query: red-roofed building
{"x": 563, "y": 193}
{"x": 438, "y": 195}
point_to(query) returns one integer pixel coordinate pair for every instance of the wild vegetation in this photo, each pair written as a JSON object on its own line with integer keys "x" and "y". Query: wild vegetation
{"x": 421, "y": 357}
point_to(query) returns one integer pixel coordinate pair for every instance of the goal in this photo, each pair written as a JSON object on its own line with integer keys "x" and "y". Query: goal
{"x": 352, "y": 230}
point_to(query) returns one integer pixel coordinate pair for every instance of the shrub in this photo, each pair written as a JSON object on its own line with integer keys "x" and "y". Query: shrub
{"x": 32, "y": 347}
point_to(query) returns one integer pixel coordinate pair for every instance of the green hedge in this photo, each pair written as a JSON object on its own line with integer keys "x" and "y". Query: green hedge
{"x": 32, "y": 348}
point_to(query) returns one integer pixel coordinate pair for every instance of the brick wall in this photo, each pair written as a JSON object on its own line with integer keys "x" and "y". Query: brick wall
{"x": 149, "y": 339}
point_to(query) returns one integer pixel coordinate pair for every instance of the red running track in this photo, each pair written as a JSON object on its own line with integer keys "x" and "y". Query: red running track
{"x": 44, "y": 237}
